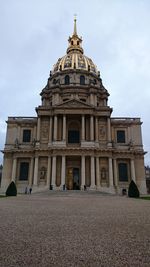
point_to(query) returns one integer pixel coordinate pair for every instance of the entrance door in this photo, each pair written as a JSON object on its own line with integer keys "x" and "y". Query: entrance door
{"x": 76, "y": 179}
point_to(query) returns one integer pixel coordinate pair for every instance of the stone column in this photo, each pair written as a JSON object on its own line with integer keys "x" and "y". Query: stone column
{"x": 91, "y": 128}
{"x": 110, "y": 172}
{"x": 133, "y": 176}
{"x": 83, "y": 128}
{"x": 31, "y": 172}
{"x": 14, "y": 168}
{"x": 64, "y": 127}
{"x": 92, "y": 173}
{"x": 38, "y": 129}
{"x": 50, "y": 129}
{"x": 35, "y": 132}
{"x": 35, "y": 179}
{"x": 96, "y": 129}
{"x": 108, "y": 131}
{"x": 48, "y": 172}
{"x": 82, "y": 172}
{"x": 115, "y": 173}
{"x": 53, "y": 183}
{"x": 55, "y": 127}
{"x": 97, "y": 173}
{"x": 63, "y": 171}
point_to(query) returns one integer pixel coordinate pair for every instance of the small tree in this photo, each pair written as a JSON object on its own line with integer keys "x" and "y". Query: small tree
{"x": 11, "y": 190}
{"x": 133, "y": 190}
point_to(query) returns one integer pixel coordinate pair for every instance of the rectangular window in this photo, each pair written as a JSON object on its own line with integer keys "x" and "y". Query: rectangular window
{"x": 26, "y": 136}
{"x": 120, "y": 136}
{"x": 123, "y": 172}
{"x": 24, "y": 170}
{"x": 73, "y": 137}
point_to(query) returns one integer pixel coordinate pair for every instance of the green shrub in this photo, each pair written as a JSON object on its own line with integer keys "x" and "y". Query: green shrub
{"x": 11, "y": 190}
{"x": 133, "y": 190}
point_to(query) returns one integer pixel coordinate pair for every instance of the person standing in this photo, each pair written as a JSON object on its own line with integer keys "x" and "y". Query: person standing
{"x": 30, "y": 190}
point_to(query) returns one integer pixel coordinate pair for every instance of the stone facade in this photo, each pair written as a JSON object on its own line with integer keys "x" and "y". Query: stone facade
{"x": 74, "y": 142}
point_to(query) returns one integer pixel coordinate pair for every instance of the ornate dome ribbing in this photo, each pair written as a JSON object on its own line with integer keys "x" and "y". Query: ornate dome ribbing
{"x": 75, "y": 58}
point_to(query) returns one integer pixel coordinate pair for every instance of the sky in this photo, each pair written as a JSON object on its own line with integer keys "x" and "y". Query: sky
{"x": 116, "y": 35}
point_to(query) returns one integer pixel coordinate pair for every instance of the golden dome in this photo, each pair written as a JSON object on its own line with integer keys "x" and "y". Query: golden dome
{"x": 75, "y": 58}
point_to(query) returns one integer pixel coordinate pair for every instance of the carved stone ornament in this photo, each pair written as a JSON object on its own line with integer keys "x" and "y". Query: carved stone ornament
{"x": 102, "y": 131}
{"x": 43, "y": 173}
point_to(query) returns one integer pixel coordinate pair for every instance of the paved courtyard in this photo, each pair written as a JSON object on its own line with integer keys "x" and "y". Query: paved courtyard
{"x": 74, "y": 229}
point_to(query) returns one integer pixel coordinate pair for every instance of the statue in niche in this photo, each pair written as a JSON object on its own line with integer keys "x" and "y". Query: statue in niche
{"x": 103, "y": 173}
{"x": 43, "y": 173}
{"x": 102, "y": 131}
{"x": 34, "y": 142}
{"x": 16, "y": 143}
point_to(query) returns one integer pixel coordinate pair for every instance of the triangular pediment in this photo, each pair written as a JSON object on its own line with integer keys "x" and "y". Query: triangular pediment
{"x": 74, "y": 103}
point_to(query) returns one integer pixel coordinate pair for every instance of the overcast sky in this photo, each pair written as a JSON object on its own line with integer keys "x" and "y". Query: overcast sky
{"x": 116, "y": 35}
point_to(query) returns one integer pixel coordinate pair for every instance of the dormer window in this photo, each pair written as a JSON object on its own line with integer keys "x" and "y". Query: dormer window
{"x": 77, "y": 42}
{"x": 71, "y": 42}
{"x": 82, "y": 80}
{"x": 67, "y": 79}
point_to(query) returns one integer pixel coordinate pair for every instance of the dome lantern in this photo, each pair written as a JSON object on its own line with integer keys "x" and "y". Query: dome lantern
{"x": 75, "y": 41}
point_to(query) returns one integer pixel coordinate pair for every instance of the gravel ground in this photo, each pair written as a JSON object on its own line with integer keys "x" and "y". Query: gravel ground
{"x": 74, "y": 229}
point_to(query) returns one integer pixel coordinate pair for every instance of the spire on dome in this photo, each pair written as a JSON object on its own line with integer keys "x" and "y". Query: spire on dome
{"x": 75, "y": 25}
{"x": 75, "y": 41}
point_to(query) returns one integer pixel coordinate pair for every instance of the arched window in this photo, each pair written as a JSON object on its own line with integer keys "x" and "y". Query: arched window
{"x": 82, "y": 80}
{"x": 67, "y": 79}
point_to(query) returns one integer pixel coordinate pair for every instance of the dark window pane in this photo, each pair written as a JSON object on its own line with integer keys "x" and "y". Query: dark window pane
{"x": 26, "y": 135}
{"x": 123, "y": 172}
{"x": 67, "y": 79}
{"x": 82, "y": 80}
{"x": 73, "y": 136}
{"x": 24, "y": 170}
{"x": 120, "y": 136}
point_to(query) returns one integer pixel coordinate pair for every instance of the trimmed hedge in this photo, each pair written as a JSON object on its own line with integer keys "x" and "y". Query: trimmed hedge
{"x": 133, "y": 191}
{"x": 11, "y": 190}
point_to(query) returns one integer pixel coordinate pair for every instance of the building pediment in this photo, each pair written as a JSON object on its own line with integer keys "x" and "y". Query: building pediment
{"x": 74, "y": 103}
